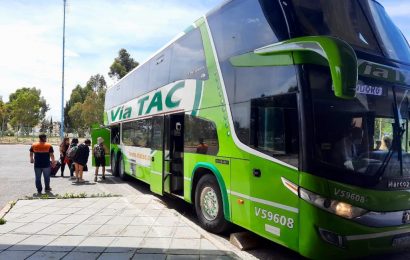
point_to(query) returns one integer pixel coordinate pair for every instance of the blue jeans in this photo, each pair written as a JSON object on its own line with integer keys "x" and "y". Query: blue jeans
{"x": 46, "y": 173}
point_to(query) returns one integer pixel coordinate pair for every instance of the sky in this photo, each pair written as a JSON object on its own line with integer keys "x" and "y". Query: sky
{"x": 31, "y": 38}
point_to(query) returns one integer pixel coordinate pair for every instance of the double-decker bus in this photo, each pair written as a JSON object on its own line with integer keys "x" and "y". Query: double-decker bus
{"x": 289, "y": 118}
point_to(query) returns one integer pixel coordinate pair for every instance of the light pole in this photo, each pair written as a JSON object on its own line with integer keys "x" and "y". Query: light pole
{"x": 62, "y": 83}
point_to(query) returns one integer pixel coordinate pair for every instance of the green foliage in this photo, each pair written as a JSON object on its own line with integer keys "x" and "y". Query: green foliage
{"x": 122, "y": 65}
{"x": 77, "y": 122}
{"x": 2, "y": 221}
{"x": 26, "y": 108}
{"x": 4, "y": 116}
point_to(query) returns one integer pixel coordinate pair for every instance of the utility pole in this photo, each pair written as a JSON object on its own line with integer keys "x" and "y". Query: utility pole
{"x": 62, "y": 83}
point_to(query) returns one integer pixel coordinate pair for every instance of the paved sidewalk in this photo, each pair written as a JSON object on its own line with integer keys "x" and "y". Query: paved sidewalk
{"x": 132, "y": 227}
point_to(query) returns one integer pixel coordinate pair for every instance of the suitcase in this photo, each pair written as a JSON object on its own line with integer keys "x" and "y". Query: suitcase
{"x": 55, "y": 169}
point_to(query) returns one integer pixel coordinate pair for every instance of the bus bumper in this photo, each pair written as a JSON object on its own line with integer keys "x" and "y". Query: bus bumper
{"x": 325, "y": 235}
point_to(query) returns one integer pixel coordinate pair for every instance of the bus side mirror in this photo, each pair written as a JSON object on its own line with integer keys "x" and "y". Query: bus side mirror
{"x": 321, "y": 50}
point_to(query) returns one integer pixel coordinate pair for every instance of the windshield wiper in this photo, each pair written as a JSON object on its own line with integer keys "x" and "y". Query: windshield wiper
{"x": 398, "y": 132}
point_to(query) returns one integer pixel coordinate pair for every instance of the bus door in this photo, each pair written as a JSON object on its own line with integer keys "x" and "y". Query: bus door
{"x": 157, "y": 155}
{"x": 104, "y": 133}
{"x": 174, "y": 143}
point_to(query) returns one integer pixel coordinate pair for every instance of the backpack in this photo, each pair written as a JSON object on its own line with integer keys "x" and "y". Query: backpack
{"x": 71, "y": 152}
{"x": 98, "y": 151}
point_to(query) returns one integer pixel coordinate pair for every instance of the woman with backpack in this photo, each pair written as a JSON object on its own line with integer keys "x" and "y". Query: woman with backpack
{"x": 81, "y": 159}
{"x": 70, "y": 156}
{"x": 63, "y": 153}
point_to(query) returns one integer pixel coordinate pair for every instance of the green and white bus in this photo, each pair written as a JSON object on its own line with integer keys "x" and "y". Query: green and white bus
{"x": 289, "y": 118}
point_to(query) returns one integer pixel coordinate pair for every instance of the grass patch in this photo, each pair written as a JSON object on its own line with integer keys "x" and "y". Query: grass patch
{"x": 2, "y": 221}
{"x": 73, "y": 196}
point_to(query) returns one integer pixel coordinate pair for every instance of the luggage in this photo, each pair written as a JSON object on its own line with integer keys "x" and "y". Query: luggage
{"x": 55, "y": 169}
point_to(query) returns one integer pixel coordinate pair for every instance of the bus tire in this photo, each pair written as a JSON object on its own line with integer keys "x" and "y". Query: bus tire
{"x": 114, "y": 165}
{"x": 209, "y": 206}
{"x": 121, "y": 169}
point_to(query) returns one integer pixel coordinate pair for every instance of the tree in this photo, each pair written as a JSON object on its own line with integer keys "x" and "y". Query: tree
{"x": 93, "y": 109}
{"x": 122, "y": 65}
{"x": 3, "y": 116}
{"x": 50, "y": 126}
{"x": 27, "y": 108}
{"x": 97, "y": 83}
{"x": 77, "y": 121}
{"x": 78, "y": 95}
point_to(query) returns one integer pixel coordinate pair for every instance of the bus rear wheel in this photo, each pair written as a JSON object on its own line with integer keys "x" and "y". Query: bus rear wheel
{"x": 114, "y": 165}
{"x": 208, "y": 205}
{"x": 121, "y": 169}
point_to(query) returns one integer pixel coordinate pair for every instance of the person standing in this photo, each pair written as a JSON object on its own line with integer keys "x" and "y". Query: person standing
{"x": 40, "y": 154}
{"x": 70, "y": 156}
{"x": 99, "y": 156}
{"x": 63, "y": 153}
{"x": 80, "y": 159}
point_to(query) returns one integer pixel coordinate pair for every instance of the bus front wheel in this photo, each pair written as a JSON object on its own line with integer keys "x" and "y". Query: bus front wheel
{"x": 208, "y": 205}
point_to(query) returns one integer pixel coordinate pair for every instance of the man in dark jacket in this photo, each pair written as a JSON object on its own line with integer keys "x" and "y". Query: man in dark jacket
{"x": 40, "y": 154}
{"x": 80, "y": 159}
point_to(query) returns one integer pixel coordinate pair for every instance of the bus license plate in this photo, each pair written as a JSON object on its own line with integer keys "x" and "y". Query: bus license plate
{"x": 403, "y": 241}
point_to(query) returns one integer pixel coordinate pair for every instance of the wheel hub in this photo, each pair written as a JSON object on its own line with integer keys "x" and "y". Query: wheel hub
{"x": 209, "y": 203}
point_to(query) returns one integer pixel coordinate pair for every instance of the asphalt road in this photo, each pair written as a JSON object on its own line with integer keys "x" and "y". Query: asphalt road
{"x": 17, "y": 181}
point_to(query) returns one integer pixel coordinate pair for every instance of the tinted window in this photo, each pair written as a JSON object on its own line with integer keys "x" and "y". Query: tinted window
{"x": 115, "y": 135}
{"x": 200, "y": 136}
{"x": 259, "y": 82}
{"x": 159, "y": 69}
{"x": 238, "y": 27}
{"x": 188, "y": 58}
{"x": 137, "y": 133}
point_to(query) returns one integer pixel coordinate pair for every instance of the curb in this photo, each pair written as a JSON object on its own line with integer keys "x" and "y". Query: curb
{"x": 221, "y": 245}
{"x": 6, "y": 209}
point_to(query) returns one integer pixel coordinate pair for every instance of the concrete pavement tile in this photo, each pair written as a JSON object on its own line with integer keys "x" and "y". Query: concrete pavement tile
{"x": 11, "y": 216}
{"x": 149, "y": 256}
{"x": 143, "y": 221}
{"x": 155, "y": 245}
{"x": 34, "y": 242}
{"x": 56, "y": 229}
{"x": 47, "y": 255}
{"x": 130, "y": 212}
{"x": 68, "y": 211}
{"x": 144, "y": 199}
{"x": 184, "y": 246}
{"x": 207, "y": 248}
{"x": 183, "y": 257}
{"x": 167, "y": 221}
{"x": 117, "y": 205}
{"x": 64, "y": 243}
{"x": 88, "y": 211}
{"x": 46, "y": 210}
{"x": 155, "y": 205}
{"x": 168, "y": 213}
{"x": 81, "y": 256}
{"x": 216, "y": 257}
{"x": 110, "y": 212}
{"x": 97, "y": 219}
{"x": 161, "y": 231}
{"x": 42, "y": 203}
{"x": 124, "y": 244}
{"x": 82, "y": 203}
{"x": 135, "y": 231}
{"x": 24, "y": 209}
{"x": 30, "y": 228}
{"x": 21, "y": 203}
{"x": 150, "y": 213}
{"x": 94, "y": 244}
{"x": 10, "y": 226}
{"x": 83, "y": 230}
{"x": 8, "y": 240}
{"x": 15, "y": 255}
{"x": 186, "y": 232}
{"x": 52, "y": 218}
{"x": 116, "y": 256}
{"x": 61, "y": 203}
{"x": 26, "y": 218}
{"x": 74, "y": 219}
{"x": 109, "y": 230}
{"x": 119, "y": 220}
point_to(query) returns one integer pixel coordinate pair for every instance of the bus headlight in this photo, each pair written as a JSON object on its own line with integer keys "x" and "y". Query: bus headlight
{"x": 339, "y": 208}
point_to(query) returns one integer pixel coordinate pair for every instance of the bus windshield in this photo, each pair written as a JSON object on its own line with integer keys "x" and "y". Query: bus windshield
{"x": 363, "y": 24}
{"x": 365, "y": 136}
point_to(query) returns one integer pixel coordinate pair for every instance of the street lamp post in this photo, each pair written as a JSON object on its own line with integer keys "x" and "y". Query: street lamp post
{"x": 62, "y": 83}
